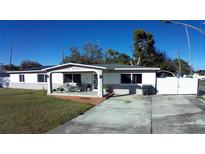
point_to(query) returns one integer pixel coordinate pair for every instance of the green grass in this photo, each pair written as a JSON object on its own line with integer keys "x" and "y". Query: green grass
{"x": 31, "y": 111}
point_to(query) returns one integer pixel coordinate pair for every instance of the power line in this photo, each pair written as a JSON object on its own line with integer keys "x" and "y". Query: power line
{"x": 187, "y": 35}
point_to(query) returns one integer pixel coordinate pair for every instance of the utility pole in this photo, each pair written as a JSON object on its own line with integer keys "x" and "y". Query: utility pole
{"x": 10, "y": 57}
{"x": 190, "y": 52}
{"x": 188, "y": 39}
{"x": 179, "y": 62}
{"x": 63, "y": 57}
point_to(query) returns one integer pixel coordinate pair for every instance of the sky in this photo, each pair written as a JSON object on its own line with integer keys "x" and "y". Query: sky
{"x": 44, "y": 41}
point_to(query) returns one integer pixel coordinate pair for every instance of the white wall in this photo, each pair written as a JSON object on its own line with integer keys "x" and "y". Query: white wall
{"x": 173, "y": 85}
{"x": 87, "y": 78}
{"x": 149, "y": 78}
{"x": 114, "y": 80}
{"x": 14, "y": 77}
{"x": 57, "y": 78}
{"x": 30, "y": 82}
{"x": 30, "y": 78}
{"x": 34, "y": 86}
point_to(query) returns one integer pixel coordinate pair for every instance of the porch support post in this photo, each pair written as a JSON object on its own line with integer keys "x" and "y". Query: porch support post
{"x": 100, "y": 83}
{"x": 49, "y": 83}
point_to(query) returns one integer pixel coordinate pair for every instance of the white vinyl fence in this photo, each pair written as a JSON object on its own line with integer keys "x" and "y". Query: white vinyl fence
{"x": 173, "y": 85}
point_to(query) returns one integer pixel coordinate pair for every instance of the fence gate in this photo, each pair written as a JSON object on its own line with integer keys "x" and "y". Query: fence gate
{"x": 174, "y": 85}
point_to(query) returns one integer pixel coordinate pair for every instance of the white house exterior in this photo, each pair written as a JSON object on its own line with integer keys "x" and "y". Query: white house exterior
{"x": 123, "y": 79}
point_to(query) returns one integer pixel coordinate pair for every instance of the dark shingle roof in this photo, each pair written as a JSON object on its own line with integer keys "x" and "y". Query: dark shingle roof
{"x": 4, "y": 75}
{"x": 115, "y": 65}
{"x": 38, "y": 68}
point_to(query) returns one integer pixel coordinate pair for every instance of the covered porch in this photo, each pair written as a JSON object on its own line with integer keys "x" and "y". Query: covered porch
{"x": 82, "y": 82}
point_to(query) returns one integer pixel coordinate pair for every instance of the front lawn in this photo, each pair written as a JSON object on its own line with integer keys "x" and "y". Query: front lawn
{"x": 31, "y": 111}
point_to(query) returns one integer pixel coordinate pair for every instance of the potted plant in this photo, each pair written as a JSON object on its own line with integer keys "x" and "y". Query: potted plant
{"x": 107, "y": 90}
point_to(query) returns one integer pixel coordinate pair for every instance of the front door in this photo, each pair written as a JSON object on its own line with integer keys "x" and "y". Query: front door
{"x": 95, "y": 81}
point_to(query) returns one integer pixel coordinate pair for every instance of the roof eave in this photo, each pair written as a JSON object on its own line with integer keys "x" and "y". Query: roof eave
{"x": 74, "y": 64}
{"x": 33, "y": 71}
{"x": 137, "y": 69}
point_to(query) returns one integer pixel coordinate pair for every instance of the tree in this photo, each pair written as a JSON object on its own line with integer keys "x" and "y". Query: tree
{"x": 124, "y": 58}
{"x": 111, "y": 56}
{"x": 75, "y": 56}
{"x": 201, "y": 72}
{"x": 11, "y": 67}
{"x": 144, "y": 50}
{"x": 92, "y": 53}
{"x": 185, "y": 68}
{"x": 147, "y": 55}
{"x": 168, "y": 65}
{"x": 29, "y": 64}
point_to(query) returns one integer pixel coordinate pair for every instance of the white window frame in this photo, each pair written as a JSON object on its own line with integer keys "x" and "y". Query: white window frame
{"x": 131, "y": 79}
{"x": 45, "y": 76}
{"x": 125, "y": 83}
{"x": 23, "y": 78}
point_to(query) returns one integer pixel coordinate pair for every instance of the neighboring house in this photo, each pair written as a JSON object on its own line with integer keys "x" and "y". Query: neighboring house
{"x": 198, "y": 76}
{"x": 73, "y": 79}
{"x": 4, "y": 77}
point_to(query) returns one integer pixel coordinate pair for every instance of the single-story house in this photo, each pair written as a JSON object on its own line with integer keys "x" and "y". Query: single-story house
{"x": 72, "y": 79}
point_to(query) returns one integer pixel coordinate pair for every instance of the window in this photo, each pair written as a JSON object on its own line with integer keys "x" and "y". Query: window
{"x": 136, "y": 78}
{"x": 68, "y": 78}
{"x": 76, "y": 78}
{"x": 21, "y": 78}
{"x": 126, "y": 78}
{"x": 95, "y": 81}
{"x": 42, "y": 78}
{"x": 131, "y": 78}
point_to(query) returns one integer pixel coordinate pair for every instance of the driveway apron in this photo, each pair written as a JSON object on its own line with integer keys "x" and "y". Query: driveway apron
{"x": 120, "y": 114}
{"x": 133, "y": 114}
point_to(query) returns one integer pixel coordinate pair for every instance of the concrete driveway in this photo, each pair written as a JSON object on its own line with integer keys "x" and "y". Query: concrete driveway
{"x": 178, "y": 115}
{"x": 134, "y": 114}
